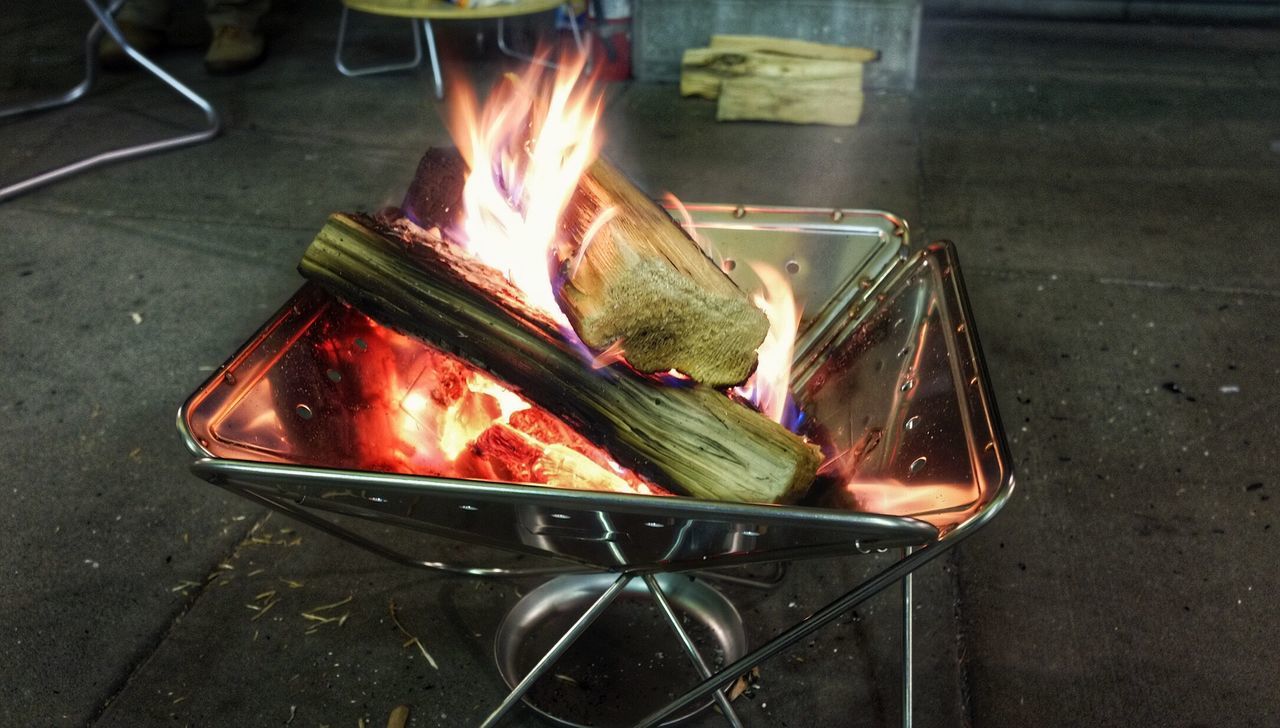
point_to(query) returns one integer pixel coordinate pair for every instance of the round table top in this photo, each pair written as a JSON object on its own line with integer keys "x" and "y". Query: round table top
{"x": 441, "y": 10}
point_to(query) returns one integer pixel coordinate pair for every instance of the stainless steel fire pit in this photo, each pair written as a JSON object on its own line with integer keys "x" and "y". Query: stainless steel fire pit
{"x": 888, "y": 371}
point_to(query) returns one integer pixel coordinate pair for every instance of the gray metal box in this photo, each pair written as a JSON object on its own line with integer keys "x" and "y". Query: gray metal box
{"x": 663, "y": 29}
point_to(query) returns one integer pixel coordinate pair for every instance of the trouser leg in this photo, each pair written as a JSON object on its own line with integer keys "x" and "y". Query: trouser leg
{"x": 149, "y": 14}
{"x": 238, "y": 13}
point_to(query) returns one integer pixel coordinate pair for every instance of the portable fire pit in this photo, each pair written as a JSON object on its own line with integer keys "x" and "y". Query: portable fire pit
{"x": 887, "y": 368}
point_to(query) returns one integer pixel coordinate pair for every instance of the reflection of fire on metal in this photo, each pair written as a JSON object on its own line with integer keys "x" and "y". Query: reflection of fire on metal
{"x": 403, "y": 406}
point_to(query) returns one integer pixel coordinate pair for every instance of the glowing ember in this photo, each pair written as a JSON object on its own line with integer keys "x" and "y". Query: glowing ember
{"x": 526, "y": 149}
{"x": 770, "y": 387}
{"x": 455, "y": 420}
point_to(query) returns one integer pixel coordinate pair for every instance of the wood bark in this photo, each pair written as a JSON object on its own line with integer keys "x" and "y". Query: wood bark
{"x": 639, "y": 281}
{"x": 691, "y": 438}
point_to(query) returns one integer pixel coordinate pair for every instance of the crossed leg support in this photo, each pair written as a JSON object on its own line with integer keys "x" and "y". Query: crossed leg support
{"x": 715, "y": 684}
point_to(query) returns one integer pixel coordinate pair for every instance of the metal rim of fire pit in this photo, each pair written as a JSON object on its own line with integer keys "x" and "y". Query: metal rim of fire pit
{"x": 755, "y": 533}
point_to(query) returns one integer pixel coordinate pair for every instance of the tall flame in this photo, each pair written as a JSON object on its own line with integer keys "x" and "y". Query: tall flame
{"x": 526, "y": 148}
{"x": 770, "y": 387}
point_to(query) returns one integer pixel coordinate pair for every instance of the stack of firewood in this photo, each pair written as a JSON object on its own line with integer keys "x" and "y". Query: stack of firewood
{"x": 642, "y": 285}
{"x": 777, "y": 79}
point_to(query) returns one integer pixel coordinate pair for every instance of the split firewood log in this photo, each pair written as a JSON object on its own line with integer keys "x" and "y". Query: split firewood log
{"x": 691, "y": 439}
{"x": 629, "y": 278}
{"x": 634, "y": 278}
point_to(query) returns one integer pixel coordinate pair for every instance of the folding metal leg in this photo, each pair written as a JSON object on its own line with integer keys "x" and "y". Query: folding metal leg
{"x": 106, "y": 23}
{"x": 859, "y": 594}
{"x": 564, "y": 643}
{"x": 352, "y": 72}
{"x": 509, "y": 51}
{"x": 690, "y": 649}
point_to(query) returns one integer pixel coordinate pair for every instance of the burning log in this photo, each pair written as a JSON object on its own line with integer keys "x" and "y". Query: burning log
{"x": 629, "y": 277}
{"x": 434, "y": 198}
{"x": 690, "y": 438}
{"x": 636, "y": 279}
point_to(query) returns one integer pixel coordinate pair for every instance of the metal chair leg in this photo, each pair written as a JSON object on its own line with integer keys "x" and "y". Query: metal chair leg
{"x": 352, "y": 72}
{"x": 507, "y": 50}
{"x": 70, "y": 95}
{"x": 435, "y": 57}
{"x": 106, "y": 23}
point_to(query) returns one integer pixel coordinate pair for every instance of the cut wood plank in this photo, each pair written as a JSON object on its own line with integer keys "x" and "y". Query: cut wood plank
{"x": 642, "y": 284}
{"x": 691, "y": 439}
{"x": 792, "y": 47}
{"x": 703, "y": 70}
{"x": 811, "y": 101}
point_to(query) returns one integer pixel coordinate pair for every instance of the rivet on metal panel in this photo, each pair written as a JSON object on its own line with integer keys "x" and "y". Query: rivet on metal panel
{"x": 334, "y": 375}
{"x": 792, "y": 266}
{"x": 918, "y": 464}
{"x": 912, "y": 422}
{"x": 960, "y": 328}
{"x": 654, "y": 524}
{"x": 468, "y": 507}
{"x": 907, "y": 385}
{"x": 729, "y": 264}
{"x": 740, "y": 212}
{"x": 304, "y": 411}
{"x": 229, "y": 378}
{"x": 837, "y": 215}
{"x": 561, "y": 516}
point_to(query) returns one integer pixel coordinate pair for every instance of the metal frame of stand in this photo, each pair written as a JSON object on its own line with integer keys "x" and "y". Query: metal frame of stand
{"x": 896, "y": 345}
{"x": 106, "y": 23}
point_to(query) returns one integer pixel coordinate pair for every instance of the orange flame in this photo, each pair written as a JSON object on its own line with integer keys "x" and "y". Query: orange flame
{"x": 526, "y": 149}
{"x": 770, "y": 387}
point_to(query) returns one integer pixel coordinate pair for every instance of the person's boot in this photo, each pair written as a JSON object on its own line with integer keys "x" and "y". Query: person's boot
{"x": 146, "y": 40}
{"x": 234, "y": 49}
